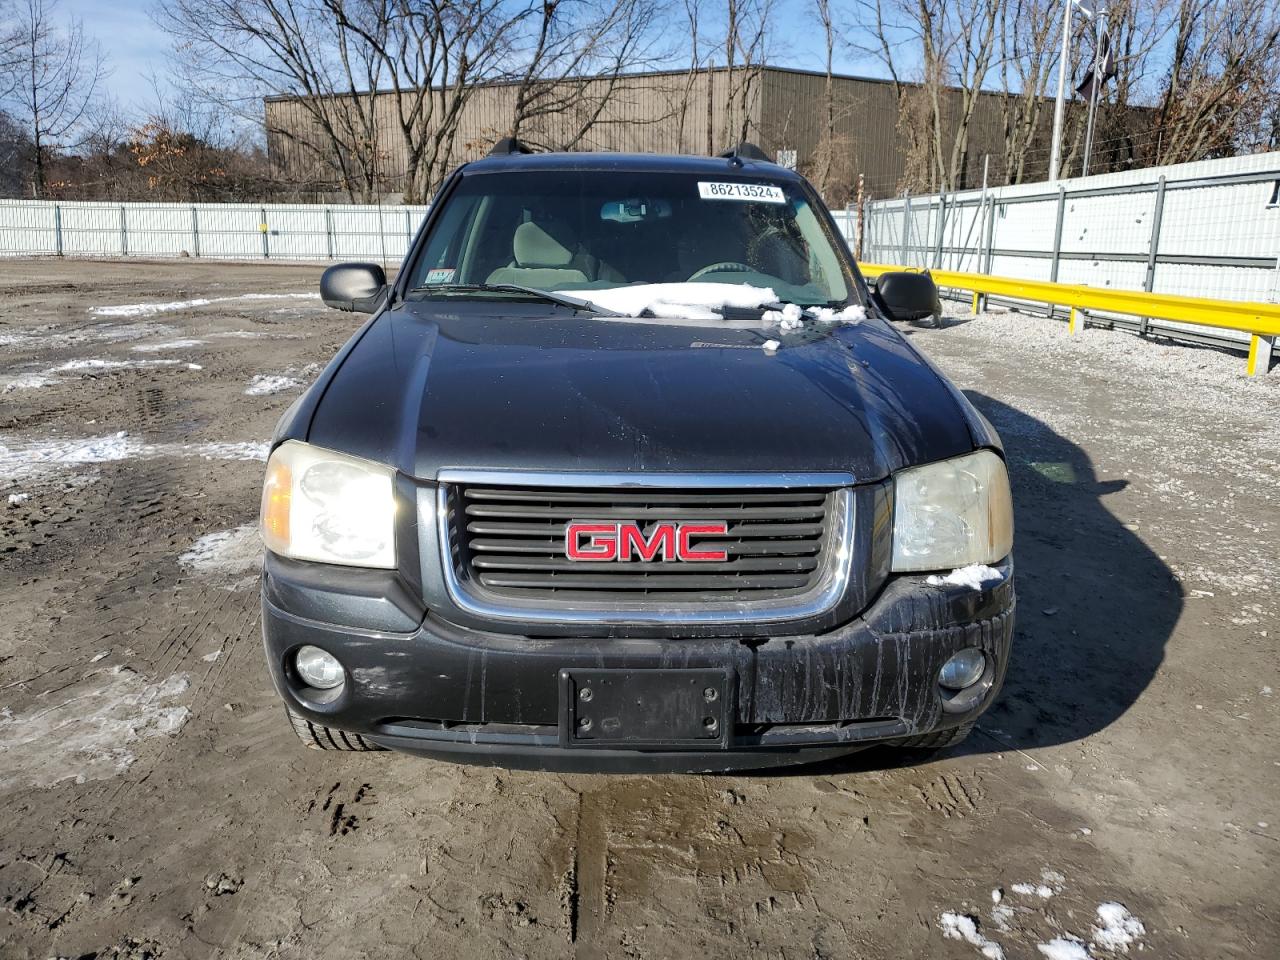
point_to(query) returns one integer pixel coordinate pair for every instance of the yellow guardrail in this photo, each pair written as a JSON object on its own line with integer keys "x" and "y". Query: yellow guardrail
{"x": 1260, "y": 320}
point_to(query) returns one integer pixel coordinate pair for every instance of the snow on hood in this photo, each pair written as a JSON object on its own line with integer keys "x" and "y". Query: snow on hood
{"x": 677, "y": 301}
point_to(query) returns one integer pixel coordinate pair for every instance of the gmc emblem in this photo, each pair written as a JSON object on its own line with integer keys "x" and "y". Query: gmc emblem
{"x": 605, "y": 542}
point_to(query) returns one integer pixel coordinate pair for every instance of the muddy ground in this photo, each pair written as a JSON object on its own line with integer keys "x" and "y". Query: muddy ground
{"x": 157, "y": 804}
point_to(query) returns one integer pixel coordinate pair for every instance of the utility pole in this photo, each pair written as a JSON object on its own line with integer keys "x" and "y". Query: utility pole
{"x": 1064, "y": 67}
{"x": 1094, "y": 87}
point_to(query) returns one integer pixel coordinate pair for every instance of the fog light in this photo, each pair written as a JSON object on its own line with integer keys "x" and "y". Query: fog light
{"x": 317, "y": 668}
{"x": 963, "y": 669}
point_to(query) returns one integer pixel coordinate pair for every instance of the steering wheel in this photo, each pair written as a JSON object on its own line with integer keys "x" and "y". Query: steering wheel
{"x": 724, "y": 266}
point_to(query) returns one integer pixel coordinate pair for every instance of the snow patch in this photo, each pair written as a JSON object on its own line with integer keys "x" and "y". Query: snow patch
{"x": 958, "y": 926}
{"x": 89, "y": 734}
{"x": 227, "y": 552}
{"x": 17, "y": 498}
{"x": 1033, "y": 889}
{"x": 678, "y": 301}
{"x": 1064, "y": 948}
{"x": 95, "y": 364}
{"x": 1117, "y": 928}
{"x": 149, "y": 309}
{"x": 36, "y": 457}
{"x": 975, "y": 577}
{"x": 167, "y": 345}
{"x": 770, "y": 346}
{"x": 212, "y": 657}
{"x": 26, "y": 381}
{"x": 265, "y": 384}
{"x": 790, "y": 317}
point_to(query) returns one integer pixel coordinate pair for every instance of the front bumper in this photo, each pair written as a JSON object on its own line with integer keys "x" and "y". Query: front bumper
{"x": 492, "y": 698}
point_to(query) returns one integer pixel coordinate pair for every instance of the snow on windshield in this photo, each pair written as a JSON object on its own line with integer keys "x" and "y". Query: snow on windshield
{"x": 677, "y": 301}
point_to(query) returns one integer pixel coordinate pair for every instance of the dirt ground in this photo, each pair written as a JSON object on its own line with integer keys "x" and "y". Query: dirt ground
{"x": 156, "y": 803}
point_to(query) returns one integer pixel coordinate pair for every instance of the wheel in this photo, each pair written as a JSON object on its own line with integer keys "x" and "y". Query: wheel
{"x": 325, "y": 738}
{"x": 938, "y": 740}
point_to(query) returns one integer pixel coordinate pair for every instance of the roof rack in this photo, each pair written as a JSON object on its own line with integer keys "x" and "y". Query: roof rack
{"x": 507, "y": 146}
{"x": 746, "y": 151}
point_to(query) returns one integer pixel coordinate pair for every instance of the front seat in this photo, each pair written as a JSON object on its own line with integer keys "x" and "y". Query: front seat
{"x": 547, "y": 255}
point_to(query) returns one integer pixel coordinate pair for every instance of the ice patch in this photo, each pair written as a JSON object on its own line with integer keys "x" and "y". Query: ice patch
{"x": 227, "y": 552}
{"x": 1118, "y": 929}
{"x": 678, "y": 301}
{"x": 149, "y": 309}
{"x": 87, "y": 736}
{"x": 1064, "y": 948}
{"x": 167, "y": 345}
{"x": 266, "y": 384}
{"x": 975, "y": 577}
{"x": 957, "y": 926}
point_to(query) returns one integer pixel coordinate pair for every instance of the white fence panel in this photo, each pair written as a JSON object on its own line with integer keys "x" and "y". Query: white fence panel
{"x": 229, "y": 231}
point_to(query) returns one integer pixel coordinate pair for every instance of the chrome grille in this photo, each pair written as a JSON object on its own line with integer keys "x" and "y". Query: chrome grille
{"x": 787, "y": 550}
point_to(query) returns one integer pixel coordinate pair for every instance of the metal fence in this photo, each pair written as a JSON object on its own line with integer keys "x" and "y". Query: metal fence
{"x": 228, "y": 231}
{"x": 1206, "y": 229}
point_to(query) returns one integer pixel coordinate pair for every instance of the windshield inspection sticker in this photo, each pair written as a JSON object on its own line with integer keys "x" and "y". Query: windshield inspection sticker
{"x": 440, "y": 275}
{"x": 750, "y": 192}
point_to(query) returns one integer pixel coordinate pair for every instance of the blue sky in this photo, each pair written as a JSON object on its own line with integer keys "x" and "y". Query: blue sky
{"x": 133, "y": 44}
{"x": 136, "y": 48}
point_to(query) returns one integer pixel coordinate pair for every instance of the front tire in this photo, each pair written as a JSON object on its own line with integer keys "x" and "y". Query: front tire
{"x": 317, "y": 737}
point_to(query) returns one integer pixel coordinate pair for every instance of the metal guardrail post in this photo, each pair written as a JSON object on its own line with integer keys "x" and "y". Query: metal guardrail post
{"x": 124, "y": 232}
{"x": 1057, "y": 234}
{"x": 942, "y": 226}
{"x": 328, "y": 231}
{"x": 1260, "y": 351}
{"x": 1153, "y": 250}
{"x": 57, "y": 228}
{"x": 262, "y": 225}
{"x": 990, "y": 247}
{"x": 906, "y": 226}
{"x": 195, "y": 231}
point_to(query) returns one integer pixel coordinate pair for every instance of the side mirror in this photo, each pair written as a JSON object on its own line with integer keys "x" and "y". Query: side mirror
{"x": 357, "y": 287}
{"x": 908, "y": 296}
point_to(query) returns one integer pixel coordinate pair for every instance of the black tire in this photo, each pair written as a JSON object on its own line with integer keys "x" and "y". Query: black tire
{"x": 326, "y": 738}
{"x": 938, "y": 740}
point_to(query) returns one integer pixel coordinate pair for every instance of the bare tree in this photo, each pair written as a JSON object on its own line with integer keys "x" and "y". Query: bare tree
{"x": 1224, "y": 69}
{"x": 54, "y": 75}
{"x": 364, "y": 74}
{"x": 577, "y": 66}
{"x": 746, "y": 49}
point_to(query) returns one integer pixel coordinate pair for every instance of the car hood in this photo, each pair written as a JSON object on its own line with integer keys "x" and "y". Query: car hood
{"x": 431, "y": 387}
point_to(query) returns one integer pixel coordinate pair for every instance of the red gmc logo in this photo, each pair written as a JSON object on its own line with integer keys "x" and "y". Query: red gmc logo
{"x": 605, "y": 542}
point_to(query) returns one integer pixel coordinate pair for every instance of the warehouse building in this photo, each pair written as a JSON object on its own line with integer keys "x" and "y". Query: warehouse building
{"x": 690, "y": 112}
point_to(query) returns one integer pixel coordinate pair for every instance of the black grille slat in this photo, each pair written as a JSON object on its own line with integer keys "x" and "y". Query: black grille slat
{"x": 510, "y": 543}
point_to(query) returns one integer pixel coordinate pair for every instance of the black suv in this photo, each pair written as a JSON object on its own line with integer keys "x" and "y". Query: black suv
{"x": 629, "y": 471}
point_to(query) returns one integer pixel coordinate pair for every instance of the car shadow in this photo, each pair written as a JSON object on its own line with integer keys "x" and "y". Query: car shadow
{"x": 1096, "y": 605}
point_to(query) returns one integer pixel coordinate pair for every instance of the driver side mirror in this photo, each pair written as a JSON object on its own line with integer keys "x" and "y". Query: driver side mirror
{"x": 354, "y": 287}
{"x": 908, "y": 296}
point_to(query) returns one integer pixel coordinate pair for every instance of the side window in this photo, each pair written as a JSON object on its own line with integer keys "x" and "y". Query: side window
{"x": 441, "y": 258}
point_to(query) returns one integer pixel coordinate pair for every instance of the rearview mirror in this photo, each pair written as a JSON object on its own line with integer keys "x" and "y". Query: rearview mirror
{"x": 357, "y": 287}
{"x": 908, "y": 296}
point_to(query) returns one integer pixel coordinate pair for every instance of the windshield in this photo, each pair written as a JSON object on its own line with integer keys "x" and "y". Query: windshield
{"x": 587, "y": 230}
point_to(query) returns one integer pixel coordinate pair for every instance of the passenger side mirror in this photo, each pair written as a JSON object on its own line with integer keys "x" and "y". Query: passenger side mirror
{"x": 908, "y": 296}
{"x": 357, "y": 287}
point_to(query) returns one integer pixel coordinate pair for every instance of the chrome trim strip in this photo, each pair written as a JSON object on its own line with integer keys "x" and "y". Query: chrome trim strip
{"x": 521, "y": 478}
{"x": 820, "y": 598}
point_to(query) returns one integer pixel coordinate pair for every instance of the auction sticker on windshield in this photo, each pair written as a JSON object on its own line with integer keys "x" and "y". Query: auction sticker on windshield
{"x": 750, "y": 192}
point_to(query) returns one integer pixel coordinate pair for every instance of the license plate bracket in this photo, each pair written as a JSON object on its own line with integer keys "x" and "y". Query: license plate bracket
{"x": 670, "y": 709}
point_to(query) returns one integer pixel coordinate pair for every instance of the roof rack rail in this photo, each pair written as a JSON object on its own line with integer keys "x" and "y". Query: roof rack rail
{"x": 507, "y": 146}
{"x": 745, "y": 151}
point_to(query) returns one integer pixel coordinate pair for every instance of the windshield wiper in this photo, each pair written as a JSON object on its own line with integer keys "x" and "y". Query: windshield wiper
{"x": 557, "y": 298}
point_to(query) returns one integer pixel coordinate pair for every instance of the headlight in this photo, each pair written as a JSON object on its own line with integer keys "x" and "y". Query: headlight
{"x": 952, "y": 514}
{"x": 326, "y": 506}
